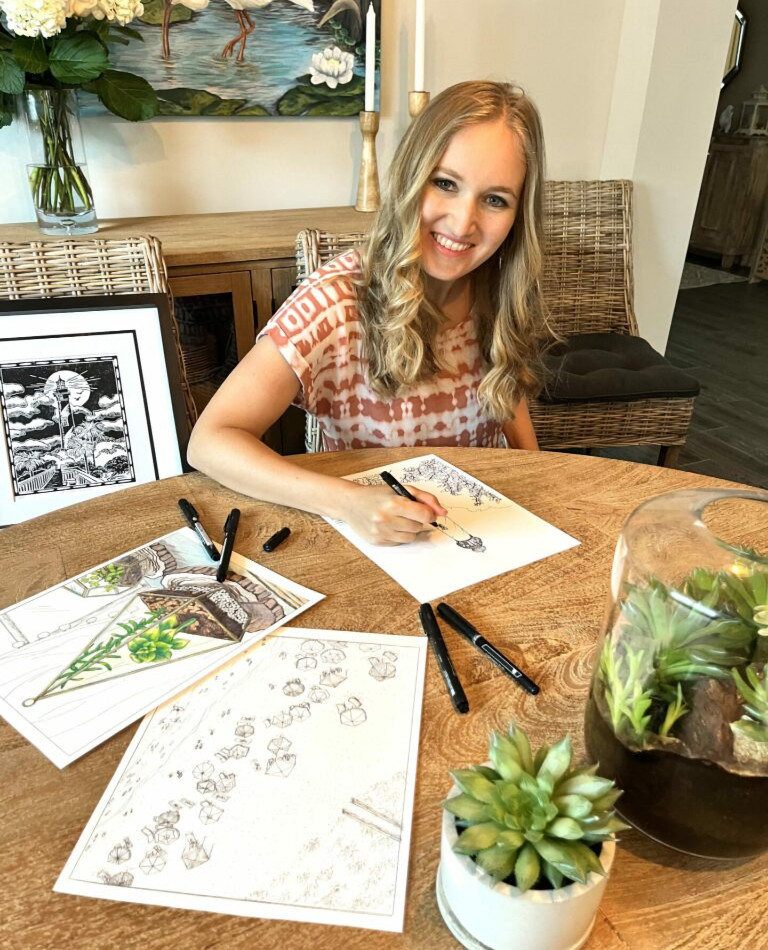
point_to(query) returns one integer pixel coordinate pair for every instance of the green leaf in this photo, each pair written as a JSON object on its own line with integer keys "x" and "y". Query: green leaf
{"x": 474, "y": 784}
{"x": 77, "y": 58}
{"x": 590, "y": 786}
{"x": 566, "y": 856}
{"x": 573, "y": 806}
{"x": 527, "y": 868}
{"x": 551, "y": 873}
{"x": 505, "y": 756}
{"x": 497, "y": 861}
{"x": 31, "y": 54}
{"x": 12, "y": 80}
{"x": 467, "y": 808}
{"x": 565, "y": 828}
{"x": 178, "y": 643}
{"x": 477, "y": 838}
{"x": 523, "y": 746}
{"x": 126, "y": 95}
{"x": 556, "y": 763}
{"x": 6, "y": 110}
{"x": 514, "y": 839}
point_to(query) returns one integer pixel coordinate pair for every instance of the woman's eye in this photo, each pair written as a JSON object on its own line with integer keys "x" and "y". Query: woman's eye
{"x": 444, "y": 184}
{"x": 496, "y": 201}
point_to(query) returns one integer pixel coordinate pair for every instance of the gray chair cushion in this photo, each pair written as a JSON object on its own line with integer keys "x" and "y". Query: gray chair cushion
{"x": 611, "y": 367}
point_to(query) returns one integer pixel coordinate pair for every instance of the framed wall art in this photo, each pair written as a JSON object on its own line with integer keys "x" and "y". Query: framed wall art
{"x": 252, "y": 57}
{"x": 89, "y": 398}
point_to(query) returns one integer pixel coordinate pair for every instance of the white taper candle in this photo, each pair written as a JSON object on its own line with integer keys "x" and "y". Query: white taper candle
{"x": 418, "y": 58}
{"x": 370, "y": 57}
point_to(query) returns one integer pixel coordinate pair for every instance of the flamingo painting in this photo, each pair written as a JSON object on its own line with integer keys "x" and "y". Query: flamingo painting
{"x": 250, "y": 58}
{"x": 240, "y": 8}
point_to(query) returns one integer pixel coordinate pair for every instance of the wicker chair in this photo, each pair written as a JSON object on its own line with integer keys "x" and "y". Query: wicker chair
{"x": 587, "y": 287}
{"x": 90, "y": 267}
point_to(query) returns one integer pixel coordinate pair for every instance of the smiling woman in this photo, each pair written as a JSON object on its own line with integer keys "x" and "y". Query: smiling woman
{"x": 428, "y": 336}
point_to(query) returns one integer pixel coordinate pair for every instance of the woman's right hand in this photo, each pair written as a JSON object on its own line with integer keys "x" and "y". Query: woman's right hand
{"x": 381, "y": 517}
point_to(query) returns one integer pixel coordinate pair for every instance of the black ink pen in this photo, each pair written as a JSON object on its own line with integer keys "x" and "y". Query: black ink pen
{"x": 230, "y": 530}
{"x": 193, "y": 520}
{"x": 401, "y": 490}
{"x": 466, "y": 629}
{"x": 451, "y": 680}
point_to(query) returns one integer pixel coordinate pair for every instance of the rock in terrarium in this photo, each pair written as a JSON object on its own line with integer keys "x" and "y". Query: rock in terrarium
{"x": 678, "y": 707}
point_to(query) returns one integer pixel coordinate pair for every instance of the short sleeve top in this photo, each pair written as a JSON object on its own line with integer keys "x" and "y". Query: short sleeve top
{"x": 318, "y": 333}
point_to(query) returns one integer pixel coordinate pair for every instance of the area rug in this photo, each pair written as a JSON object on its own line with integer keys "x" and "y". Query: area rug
{"x": 695, "y": 275}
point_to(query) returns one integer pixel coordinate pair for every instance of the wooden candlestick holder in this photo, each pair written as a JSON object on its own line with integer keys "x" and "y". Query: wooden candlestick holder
{"x": 416, "y": 102}
{"x": 368, "y": 197}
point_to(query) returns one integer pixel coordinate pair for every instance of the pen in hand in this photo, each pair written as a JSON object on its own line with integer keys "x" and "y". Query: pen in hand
{"x": 451, "y": 680}
{"x": 193, "y": 520}
{"x": 465, "y": 628}
{"x": 230, "y": 530}
{"x": 401, "y": 490}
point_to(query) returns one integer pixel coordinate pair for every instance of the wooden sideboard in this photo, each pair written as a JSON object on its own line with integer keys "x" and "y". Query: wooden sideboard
{"x": 732, "y": 198}
{"x": 243, "y": 262}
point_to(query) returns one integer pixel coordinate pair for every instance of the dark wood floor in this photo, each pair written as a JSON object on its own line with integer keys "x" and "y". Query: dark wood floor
{"x": 719, "y": 335}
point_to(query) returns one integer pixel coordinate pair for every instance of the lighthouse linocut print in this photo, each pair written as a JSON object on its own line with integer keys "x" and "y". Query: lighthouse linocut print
{"x": 86, "y": 401}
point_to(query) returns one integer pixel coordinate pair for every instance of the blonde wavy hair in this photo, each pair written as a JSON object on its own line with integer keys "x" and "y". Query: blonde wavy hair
{"x": 399, "y": 324}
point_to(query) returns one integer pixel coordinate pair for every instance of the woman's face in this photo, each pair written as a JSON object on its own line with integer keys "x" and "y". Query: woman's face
{"x": 470, "y": 201}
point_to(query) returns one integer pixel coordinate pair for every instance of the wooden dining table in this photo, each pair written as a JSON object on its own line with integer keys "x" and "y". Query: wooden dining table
{"x": 546, "y": 616}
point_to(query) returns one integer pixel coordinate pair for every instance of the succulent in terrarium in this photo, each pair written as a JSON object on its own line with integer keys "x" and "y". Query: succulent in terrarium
{"x": 674, "y": 637}
{"x": 532, "y": 819}
{"x": 678, "y": 706}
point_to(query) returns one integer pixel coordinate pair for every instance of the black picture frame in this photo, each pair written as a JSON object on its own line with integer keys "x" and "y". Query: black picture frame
{"x": 90, "y": 399}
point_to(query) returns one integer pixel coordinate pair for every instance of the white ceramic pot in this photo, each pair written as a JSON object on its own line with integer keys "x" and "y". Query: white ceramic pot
{"x": 485, "y": 915}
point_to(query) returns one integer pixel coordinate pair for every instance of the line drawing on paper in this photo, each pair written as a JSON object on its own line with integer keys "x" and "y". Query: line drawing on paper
{"x": 240, "y": 841}
{"x": 479, "y": 521}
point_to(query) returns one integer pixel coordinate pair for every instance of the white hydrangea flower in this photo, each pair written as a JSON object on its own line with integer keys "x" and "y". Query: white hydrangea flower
{"x": 34, "y": 17}
{"x": 331, "y": 67}
{"x": 122, "y": 11}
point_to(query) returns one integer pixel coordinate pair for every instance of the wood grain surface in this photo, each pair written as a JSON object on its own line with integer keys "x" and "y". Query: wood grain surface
{"x": 228, "y": 238}
{"x": 546, "y": 616}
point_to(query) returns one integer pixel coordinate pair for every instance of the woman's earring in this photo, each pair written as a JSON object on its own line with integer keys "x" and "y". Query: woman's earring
{"x": 501, "y": 259}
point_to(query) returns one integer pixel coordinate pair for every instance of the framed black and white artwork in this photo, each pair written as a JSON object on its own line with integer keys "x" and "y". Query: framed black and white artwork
{"x": 90, "y": 400}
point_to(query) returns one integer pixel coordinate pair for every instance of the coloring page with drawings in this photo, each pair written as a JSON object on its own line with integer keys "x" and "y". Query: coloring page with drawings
{"x": 281, "y": 786}
{"x": 483, "y": 534}
{"x": 89, "y": 656}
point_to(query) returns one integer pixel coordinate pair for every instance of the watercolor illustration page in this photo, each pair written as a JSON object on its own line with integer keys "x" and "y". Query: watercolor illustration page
{"x": 85, "y": 658}
{"x": 280, "y": 786}
{"x": 483, "y": 534}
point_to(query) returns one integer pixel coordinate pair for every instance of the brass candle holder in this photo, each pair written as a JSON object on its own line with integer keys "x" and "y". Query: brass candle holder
{"x": 416, "y": 102}
{"x": 368, "y": 197}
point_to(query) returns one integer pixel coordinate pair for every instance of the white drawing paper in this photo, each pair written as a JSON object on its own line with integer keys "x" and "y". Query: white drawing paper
{"x": 280, "y": 786}
{"x": 483, "y": 534}
{"x": 85, "y": 658}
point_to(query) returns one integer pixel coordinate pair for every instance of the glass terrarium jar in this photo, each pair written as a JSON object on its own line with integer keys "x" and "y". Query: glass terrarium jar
{"x": 678, "y": 706}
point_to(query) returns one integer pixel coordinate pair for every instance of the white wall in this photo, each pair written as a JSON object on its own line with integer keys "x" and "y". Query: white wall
{"x": 626, "y": 88}
{"x": 664, "y": 100}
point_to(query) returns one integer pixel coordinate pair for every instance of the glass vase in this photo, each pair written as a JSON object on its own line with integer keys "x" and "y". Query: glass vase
{"x": 677, "y": 713}
{"x": 57, "y": 172}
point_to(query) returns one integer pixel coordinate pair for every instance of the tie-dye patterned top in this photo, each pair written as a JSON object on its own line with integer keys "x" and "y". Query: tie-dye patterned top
{"x": 318, "y": 333}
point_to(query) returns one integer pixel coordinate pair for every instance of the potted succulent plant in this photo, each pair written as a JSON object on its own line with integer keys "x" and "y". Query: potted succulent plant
{"x": 527, "y": 844}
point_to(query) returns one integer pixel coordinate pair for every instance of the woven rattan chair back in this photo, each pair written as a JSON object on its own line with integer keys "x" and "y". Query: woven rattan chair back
{"x": 90, "y": 267}
{"x": 587, "y": 286}
{"x": 587, "y": 275}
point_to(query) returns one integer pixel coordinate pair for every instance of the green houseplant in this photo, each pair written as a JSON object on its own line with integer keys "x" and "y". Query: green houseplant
{"x": 527, "y": 842}
{"x": 49, "y": 49}
{"x": 678, "y": 706}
